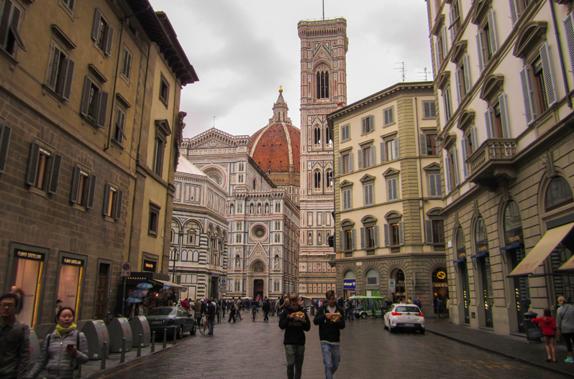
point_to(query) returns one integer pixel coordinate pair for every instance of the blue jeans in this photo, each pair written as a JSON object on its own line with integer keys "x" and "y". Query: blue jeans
{"x": 294, "y": 355}
{"x": 331, "y": 358}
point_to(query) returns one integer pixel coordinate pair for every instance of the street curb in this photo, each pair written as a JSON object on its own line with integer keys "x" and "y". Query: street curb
{"x": 108, "y": 371}
{"x": 536, "y": 364}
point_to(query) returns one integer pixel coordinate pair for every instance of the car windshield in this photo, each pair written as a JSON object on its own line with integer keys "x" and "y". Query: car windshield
{"x": 407, "y": 309}
{"x": 162, "y": 311}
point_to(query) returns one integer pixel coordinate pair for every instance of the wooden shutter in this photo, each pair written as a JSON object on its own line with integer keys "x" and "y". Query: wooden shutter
{"x": 91, "y": 191}
{"x": 397, "y": 148}
{"x": 466, "y": 72}
{"x": 401, "y": 233}
{"x": 464, "y": 156}
{"x": 107, "y": 188}
{"x": 353, "y": 239}
{"x": 488, "y": 122}
{"x": 474, "y": 139}
{"x": 96, "y": 24}
{"x": 422, "y": 144}
{"x": 376, "y": 235}
{"x": 527, "y": 94}
{"x": 68, "y": 82}
{"x": 32, "y": 169}
{"x": 492, "y": 33}
{"x": 351, "y": 168}
{"x": 102, "y": 105}
{"x": 372, "y": 155}
{"x": 109, "y": 39}
{"x": 5, "y": 133}
{"x": 457, "y": 85}
{"x": 480, "y": 56}
{"x": 444, "y": 41}
{"x": 428, "y": 232}
{"x": 363, "y": 238}
{"x": 383, "y": 153}
{"x": 504, "y": 115}
{"x": 549, "y": 85}
{"x": 360, "y": 158}
{"x": 387, "y": 235}
{"x": 513, "y": 11}
{"x": 118, "y": 206}
{"x": 75, "y": 183}
{"x": 447, "y": 172}
{"x": 456, "y": 168}
{"x": 569, "y": 31}
{"x": 53, "y": 173}
{"x": 84, "y": 108}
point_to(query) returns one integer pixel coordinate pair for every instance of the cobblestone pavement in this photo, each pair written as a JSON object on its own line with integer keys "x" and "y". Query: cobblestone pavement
{"x": 254, "y": 350}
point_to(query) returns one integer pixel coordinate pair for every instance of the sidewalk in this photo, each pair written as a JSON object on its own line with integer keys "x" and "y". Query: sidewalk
{"x": 512, "y": 347}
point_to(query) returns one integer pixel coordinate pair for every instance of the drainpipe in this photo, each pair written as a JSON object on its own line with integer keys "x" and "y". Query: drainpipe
{"x": 560, "y": 53}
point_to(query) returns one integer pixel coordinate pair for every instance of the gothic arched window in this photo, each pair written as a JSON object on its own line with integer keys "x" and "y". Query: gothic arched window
{"x": 317, "y": 179}
{"x": 317, "y": 135}
{"x": 329, "y": 135}
{"x": 329, "y": 178}
{"x": 322, "y": 84}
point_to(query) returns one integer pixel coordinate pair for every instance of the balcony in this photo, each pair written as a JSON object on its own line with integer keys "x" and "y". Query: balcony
{"x": 491, "y": 164}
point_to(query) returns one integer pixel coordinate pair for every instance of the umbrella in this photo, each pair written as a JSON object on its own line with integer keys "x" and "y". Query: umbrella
{"x": 144, "y": 285}
{"x": 134, "y": 300}
{"x": 139, "y": 293}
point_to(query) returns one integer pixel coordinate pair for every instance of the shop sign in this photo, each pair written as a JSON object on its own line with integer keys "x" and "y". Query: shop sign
{"x": 440, "y": 275}
{"x": 72, "y": 261}
{"x": 149, "y": 265}
{"x": 349, "y": 284}
{"x": 126, "y": 269}
{"x": 29, "y": 255}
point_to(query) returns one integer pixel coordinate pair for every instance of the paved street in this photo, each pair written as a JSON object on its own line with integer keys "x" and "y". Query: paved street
{"x": 255, "y": 350}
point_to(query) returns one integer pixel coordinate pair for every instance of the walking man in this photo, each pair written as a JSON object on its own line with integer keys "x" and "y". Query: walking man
{"x": 330, "y": 320}
{"x": 266, "y": 309}
{"x": 295, "y": 321}
{"x": 565, "y": 323}
{"x": 14, "y": 340}
{"x": 210, "y": 313}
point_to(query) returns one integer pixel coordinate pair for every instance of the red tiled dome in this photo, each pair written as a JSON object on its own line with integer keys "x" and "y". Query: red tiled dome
{"x": 275, "y": 148}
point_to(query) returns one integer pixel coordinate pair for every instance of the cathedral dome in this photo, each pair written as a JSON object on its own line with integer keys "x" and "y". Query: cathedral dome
{"x": 276, "y": 147}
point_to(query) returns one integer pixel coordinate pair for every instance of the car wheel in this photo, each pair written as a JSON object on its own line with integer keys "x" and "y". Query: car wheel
{"x": 179, "y": 334}
{"x": 192, "y": 332}
{"x": 391, "y": 329}
{"x": 363, "y": 315}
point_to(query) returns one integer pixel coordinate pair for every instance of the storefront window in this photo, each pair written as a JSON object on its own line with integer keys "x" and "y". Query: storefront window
{"x": 463, "y": 273}
{"x": 29, "y": 270}
{"x": 70, "y": 282}
{"x": 440, "y": 290}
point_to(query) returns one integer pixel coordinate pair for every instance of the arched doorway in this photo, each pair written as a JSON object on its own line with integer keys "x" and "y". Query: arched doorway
{"x": 462, "y": 269}
{"x": 399, "y": 290}
{"x": 439, "y": 291}
{"x": 258, "y": 271}
{"x": 482, "y": 259}
{"x": 514, "y": 250}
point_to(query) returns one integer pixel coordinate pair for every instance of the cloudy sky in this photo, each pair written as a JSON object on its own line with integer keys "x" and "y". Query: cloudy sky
{"x": 243, "y": 50}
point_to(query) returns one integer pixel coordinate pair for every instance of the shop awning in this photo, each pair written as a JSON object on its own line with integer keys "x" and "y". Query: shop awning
{"x": 542, "y": 250}
{"x": 169, "y": 284}
{"x": 569, "y": 265}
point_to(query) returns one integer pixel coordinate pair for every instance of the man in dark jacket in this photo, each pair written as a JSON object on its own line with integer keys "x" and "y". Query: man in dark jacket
{"x": 210, "y": 310}
{"x": 266, "y": 308}
{"x": 295, "y": 321}
{"x": 330, "y": 318}
{"x": 14, "y": 340}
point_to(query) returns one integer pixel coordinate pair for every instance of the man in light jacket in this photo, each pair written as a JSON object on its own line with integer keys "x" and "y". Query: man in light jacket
{"x": 565, "y": 324}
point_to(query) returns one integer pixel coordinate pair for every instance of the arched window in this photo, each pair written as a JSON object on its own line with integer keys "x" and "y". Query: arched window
{"x": 184, "y": 256}
{"x": 276, "y": 262}
{"x": 480, "y": 236}
{"x": 317, "y": 179}
{"x": 258, "y": 208}
{"x": 231, "y": 209}
{"x": 512, "y": 224}
{"x": 329, "y": 135}
{"x": 558, "y": 193}
{"x": 329, "y": 178}
{"x": 237, "y": 261}
{"x": 266, "y": 208}
{"x": 459, "y": 241}
{"x": 372, "y": 278}
{"x": 317, "y": 135}
{"x": 322, "y": 84}
{"x": 251, "y": 208}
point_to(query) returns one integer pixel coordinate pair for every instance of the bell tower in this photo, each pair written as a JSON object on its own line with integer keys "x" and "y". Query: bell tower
{"x": 323, "y": 90}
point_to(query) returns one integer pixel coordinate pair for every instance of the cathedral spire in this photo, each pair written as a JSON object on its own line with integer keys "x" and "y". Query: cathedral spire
{"x": 280, "y": 108}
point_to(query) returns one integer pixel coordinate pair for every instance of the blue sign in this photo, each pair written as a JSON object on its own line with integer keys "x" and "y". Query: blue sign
{"x": 349, "y": 284}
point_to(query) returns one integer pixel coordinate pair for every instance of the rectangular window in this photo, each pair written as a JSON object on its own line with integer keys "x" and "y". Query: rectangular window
{"x": 370, "y": 238}
{"x": 153, "y": 220}
{"x": 346, "y": 162}
{"x": 159, "y": 151}
{"x": 389, "y": 116}
{"x": 394, "y": 234}
{"x": 10, "y": 15}
{"x": 164, "y": 90}
{"x": 368, "y": 189}
{"x": 5, "y": 135}
{"x": 347, "y": 195}
{"x": 126, "y": 63}
{"x": 82, "y": 191}
{"x": 434, "y": 184}
{"x": 367, "y": 124}
{"x": 239, "y": 238}
{"x": 119, "y": 126}
{"x": 60, "y": 72}
{"x": 428, "y": 144}
{"x": 69, "y": 4}
{"x": 43, "y": 169}
{"x": 392, "y": 188}
{"x": 94, "y": 102}
{"x": 345, "y": 132}
{"x": 447, "y": 102}
{"x": 112, "y": 205}
{"x": 240, "y": 178}
{"x": 429, "y": 109}
{"x": 366, "y": 156}
{"x": 455, "y": 19}
{"x": 348, "y": 240}
{"x": 392, "y": 149}
{"x": 102, "y": 33}
{"x": 486, "y": 40}
{"x": 463, "y": 77}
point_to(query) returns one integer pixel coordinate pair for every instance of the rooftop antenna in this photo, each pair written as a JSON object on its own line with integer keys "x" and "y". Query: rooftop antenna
{"x": 402, "y": 69}
{"x": 426, "y": 73}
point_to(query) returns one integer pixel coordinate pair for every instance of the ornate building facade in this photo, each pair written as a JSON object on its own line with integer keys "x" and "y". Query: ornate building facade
{"x": 263, "y": 219}
{"x": 503, "y": 83}
{"x": 323, "y": 90}
{"x": 388, "y": 199}
{"x": 198, "y": 250}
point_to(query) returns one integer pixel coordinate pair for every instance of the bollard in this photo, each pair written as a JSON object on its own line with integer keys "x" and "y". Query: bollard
{"x": 104, "y": 356}
{"x": 139, "y": 354}
{"x": 152, "y": 341}
{"x": 123, "y": 352}
{"x": 164, "y": 338}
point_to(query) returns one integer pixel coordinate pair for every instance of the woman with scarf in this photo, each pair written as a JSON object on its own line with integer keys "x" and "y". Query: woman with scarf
{"x": 63, "y": 350}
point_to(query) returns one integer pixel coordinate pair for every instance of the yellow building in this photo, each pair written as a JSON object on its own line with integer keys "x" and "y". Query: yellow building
{"x": 80, "y": 108}
{"x": 388, "y": 196}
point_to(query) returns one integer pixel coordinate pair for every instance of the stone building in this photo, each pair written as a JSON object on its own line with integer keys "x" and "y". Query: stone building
{"x": 503, "y": 80}
{"x": 198, "y": 252}
{"x": 388, "y": 196}
{"x": 323, "y": 90}
{"x": 85, "y": 91}
{"x": 263, "y": 219}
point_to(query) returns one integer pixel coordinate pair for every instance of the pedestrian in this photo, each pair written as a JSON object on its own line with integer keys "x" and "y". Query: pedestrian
{"x": 63, "y": 350}
{"x": 218, "y": 311}
{"x": 197, "y": 307}
{"x": 330, "y": 320}
{"x": 418, "y": 303}
{"x": 238, "y": 310}
{"x": 231, "y": 314}
{"x": 210, "y": 310}
{"x": 547, "y": 325}
{"x": 254, "y": 310}
{"x": 295, "y": 321}
{"x": 565, "y": 324}
{"x": 266, "y": 308}
{"x": 14, "y": 339}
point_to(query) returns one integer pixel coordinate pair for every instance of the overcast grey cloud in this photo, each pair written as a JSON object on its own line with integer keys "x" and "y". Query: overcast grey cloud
{"x": 243, "y": 50}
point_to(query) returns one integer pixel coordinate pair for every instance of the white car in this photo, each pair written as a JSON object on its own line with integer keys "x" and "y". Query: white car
{"x": 407, "y": 316}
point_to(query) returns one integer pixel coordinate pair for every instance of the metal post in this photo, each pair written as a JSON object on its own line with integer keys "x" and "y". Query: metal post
{"x": 123, "y": 351}
{"x": 140, "y": 343}
{"x": 104, "y": 356}
{"x": 164, "y": 337}
{"x": 124, "y": 296}
{"x": 153, "y": 341}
